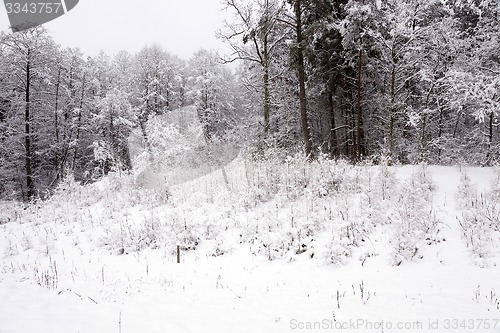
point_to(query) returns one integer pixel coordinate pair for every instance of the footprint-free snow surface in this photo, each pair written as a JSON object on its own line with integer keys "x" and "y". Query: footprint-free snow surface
{"x": 95, "y": 259}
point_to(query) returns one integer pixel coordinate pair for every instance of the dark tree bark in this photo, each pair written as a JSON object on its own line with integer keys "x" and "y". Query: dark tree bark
{"x": 57, "y": 156}
{"x": 392, "y": 107}
{"x": 360, "y": 133}
{"x": 302, "y": 82}
{"x": 333, "y": 132}
{"x": 30, "y": 184}
{"x": 265, "y": 66}
{"x": 489, "y": 159}
{"x": 79, "y": 122}
{"x": 267, "y": 96}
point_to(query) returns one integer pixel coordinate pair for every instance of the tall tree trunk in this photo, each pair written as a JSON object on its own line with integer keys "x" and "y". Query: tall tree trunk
{"x": 457, "y": 122}
{"x": 347, "y": 123}
{"x": 110, "y": 163}
{"x": 56, "y": 127}
{"x": 423, "y": 137}
{"x": 145, "y": 137}
{"x": 360, "y": 142}
{"x": 302, "y": 82}
{"x": 352, "y": 129}
{"x": 423, "y": 140}
{"x": 440, "y": 132}
{"x": 267, "y": 100}
{"x": 79, "y": 123}
{"x": 345, "y": 115}
{"x": 490, "y": 140}
{"x": 265, "y": 63}
{"x": 333, "y": 133}
{"x": 27, "y": 135}
{"x": 56, "y": 108}
{"x": 392, "y": 108}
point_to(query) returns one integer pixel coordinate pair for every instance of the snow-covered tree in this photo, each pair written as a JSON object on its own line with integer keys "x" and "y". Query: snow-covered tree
{"x": 255, "y": 37}
{"x": 26, "y": 70}
{"x": 156, "y": 84}
{"x": 214, "y": 93}
{"x": 113, "y": 124}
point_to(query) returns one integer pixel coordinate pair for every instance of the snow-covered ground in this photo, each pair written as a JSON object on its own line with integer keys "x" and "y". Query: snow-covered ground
{"x": 101, "y": 258}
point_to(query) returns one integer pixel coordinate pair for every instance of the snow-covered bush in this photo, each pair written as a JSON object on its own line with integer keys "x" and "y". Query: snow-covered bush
{"x": 338, "y": 252}
{"x": 479, "y": 218}
{"x": 280, "y": 209}
{"x": 493, "y": 202}
{"x": 11, "y": 248}
{"x": 47, "y": 239}
{"x": 10, "y": 211}
{"x": 300, "y": 200}
{"x": 293, "y": 178}
{"x": 466, "y": 193}
{"x": 413, "y": 218}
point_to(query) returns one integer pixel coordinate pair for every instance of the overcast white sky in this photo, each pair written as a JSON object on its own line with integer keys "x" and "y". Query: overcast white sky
{"x": 181, "y": 26}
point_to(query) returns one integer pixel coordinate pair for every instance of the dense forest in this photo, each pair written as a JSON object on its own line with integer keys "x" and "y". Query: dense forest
{"x": 408, "y": 81}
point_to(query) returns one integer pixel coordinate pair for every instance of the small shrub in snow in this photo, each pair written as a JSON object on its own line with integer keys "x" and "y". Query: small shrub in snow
{"x": 406, "y": 243}
{"x": 479, "y": 218}
{"x": 189, "y": 239}
{"x": 493, "y": 202}
{"x": 325, "y": 177}
{"x": 475, "y": 233}
{"x": 291, "y": 179}
{"x": 26, "y": 242}
{"x": 414, "y": 220}
{"x": 385, "y": 182}
{"x": 466, "y": 194}
{"x": 11, "y": 248}
{"x": 338, "y": 252}
{"x": 139, "y": 236}
{"x": 47, "y": 238}
{"x": 270, "y": 244}
{"x": 221, "y": 246}
{"x": 10, "y": 211}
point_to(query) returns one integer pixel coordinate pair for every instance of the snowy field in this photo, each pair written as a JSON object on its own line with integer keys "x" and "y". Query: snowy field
{"x": 297, "y": 247}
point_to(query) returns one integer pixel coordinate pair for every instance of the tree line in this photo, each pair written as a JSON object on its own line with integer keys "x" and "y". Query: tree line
{"x": 63, "y": 114}
{"x": 411, "y": 81}
{"x": 416, "y": 81}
